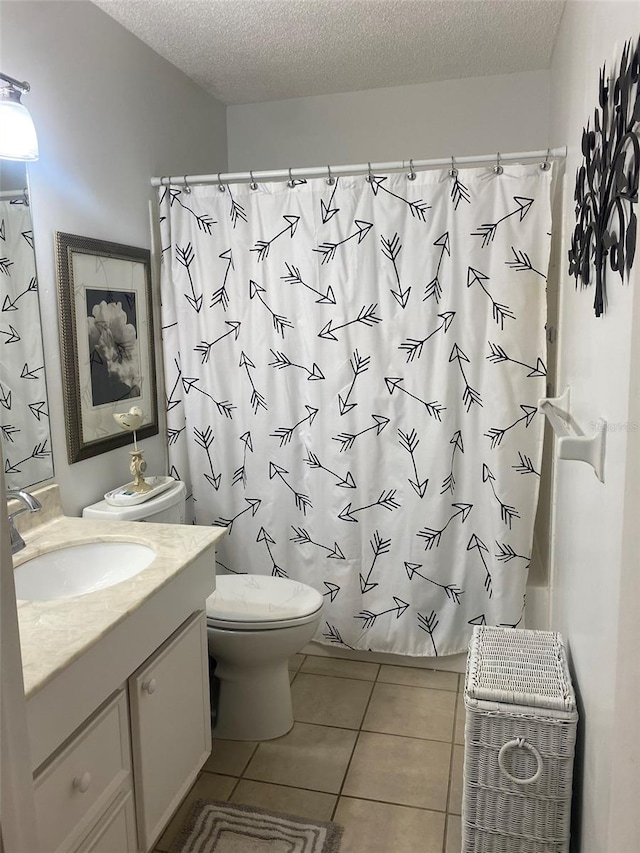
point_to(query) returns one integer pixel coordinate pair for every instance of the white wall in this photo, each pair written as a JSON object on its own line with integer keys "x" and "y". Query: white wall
{"x": 460, "y": 117}
{"x": 595, "y": 548}
{"x": 110, "y": 114}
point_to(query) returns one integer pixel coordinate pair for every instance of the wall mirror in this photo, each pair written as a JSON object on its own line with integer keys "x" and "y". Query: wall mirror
{"x": 24, "y": 409}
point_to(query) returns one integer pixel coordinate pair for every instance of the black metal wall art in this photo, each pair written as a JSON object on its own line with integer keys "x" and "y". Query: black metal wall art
{"x": 607, "y": 181}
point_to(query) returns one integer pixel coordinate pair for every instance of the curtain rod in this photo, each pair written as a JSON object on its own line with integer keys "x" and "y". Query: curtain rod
{"x": 359, "y": 169}
{"x": 7, "y": 195}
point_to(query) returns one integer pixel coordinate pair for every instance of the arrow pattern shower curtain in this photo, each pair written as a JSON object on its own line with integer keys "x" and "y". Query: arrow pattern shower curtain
{"x": 352, "y": 374}
{"x": 24, "y": 414}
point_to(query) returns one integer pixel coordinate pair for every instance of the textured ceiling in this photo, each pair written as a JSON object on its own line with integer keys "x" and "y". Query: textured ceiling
{"x": 244, "y": 51}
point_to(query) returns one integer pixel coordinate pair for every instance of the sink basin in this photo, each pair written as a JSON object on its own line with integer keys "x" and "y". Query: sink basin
{"x": 79, "y": 569}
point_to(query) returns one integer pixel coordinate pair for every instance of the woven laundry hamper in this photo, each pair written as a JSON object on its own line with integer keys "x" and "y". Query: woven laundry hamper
{"x": 520, "y": 733}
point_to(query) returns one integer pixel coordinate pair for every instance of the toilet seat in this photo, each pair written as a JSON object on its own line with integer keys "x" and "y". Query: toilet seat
{"x": 260, "y": 603}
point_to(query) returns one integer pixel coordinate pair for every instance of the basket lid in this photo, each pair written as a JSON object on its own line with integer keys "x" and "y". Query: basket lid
{"x": 519, "y": 667}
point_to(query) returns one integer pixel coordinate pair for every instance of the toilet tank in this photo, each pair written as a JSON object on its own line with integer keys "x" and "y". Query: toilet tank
{"x": 166, "y": 508}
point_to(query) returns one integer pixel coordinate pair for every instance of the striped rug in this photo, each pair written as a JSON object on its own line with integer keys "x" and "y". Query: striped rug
{"x": 228, "y": 828}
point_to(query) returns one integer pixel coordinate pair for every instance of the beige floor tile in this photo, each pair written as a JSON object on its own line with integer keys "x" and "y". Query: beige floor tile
{"x": 414, "y": 677}
{"x": 229, "y": 757}
{"x": 208, "y": 786}
{"x": 411, "y": 711}
{"x": 407, "y": 771}
{"x": 454, "y": 834}
{"x": 314, "y": 757}
{"x": 341, "y": 668}
{"x": 295, "y": 662}
{"x": 455, "y": 792}
{"x": 458, "y": 736}
{"x": 330, "y": 701}
{"x": 380, "y": 828}
{"x": 280, "y": 798}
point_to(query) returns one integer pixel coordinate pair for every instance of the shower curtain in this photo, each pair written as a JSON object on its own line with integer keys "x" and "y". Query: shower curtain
{"x": 352, "y": 373}
{"x": 23, "y": 391}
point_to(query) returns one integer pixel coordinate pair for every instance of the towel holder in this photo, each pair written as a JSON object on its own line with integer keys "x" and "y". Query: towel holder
{"x": 570, "y": 442}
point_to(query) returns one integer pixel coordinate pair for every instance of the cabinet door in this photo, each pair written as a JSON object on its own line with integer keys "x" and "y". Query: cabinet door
{"x": 170, "y": 725}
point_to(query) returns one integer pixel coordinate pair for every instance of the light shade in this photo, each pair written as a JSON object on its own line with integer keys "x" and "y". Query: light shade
{"x": 18, "y": 140}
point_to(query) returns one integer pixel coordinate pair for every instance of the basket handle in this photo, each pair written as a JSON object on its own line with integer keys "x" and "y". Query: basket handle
{"x": 521, "y": 743}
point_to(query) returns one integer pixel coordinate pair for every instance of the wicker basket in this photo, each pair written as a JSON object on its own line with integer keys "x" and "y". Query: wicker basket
{"x": 520, "y": 734}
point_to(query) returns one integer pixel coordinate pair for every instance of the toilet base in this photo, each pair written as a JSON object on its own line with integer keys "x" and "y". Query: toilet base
{"x": 254, "y": 702}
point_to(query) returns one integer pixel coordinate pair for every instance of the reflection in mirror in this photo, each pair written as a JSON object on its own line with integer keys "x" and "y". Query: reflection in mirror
{"x": 24, "y": 411}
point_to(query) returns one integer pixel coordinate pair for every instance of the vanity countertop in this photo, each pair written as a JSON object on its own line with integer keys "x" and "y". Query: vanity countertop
{"x": 54, "y": 633}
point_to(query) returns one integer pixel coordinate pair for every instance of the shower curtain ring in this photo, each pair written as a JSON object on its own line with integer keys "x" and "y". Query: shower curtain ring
{"x": 253, "y": 184}
{"x": 330, "y": 180}
{"x": 370, "y": 175}
{"x": 291, "y": 183}
{"x": 187, "y": 188}
{"x": 453, "y": 172}
{"x": 412, "y": 175}
{"x": 221, "y": 186}
{"x": 498, "y": 168}
{"x": 546, "y": 165}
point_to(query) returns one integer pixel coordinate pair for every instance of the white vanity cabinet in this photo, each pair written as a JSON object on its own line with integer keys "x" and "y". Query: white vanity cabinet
{"x": 114, "y": 784}
{"x": 170, "y": 725}
{"x": 117, "y": 690}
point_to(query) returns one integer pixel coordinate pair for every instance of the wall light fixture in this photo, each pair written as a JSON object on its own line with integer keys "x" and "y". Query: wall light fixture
{"x": 18, "y": 140}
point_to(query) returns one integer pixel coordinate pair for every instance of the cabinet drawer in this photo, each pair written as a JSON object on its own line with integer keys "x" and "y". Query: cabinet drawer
{"x": 116, "y": 832}
{"x": 78, "y": 784}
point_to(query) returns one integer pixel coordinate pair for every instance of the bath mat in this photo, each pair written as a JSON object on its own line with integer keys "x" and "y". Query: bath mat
{"x": 214, "y": 827}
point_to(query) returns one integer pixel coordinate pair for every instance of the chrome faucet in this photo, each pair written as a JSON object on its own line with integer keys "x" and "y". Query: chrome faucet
{"x": 31, "y": 504}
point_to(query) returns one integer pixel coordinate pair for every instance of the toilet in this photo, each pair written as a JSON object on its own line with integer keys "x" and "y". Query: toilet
{"x": 166, "y": 508}
{"x": 254, "y": 624}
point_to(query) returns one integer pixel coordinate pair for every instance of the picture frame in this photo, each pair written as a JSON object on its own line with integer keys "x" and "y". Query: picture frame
{"x": 106, "y": 342}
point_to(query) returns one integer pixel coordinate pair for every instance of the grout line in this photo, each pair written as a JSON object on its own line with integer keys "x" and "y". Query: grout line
{"x": 233, "y": 790}
{"x": 377, "y": 681}
{"x": 418, "y": 686}
{"x": 286, "y": 786}
{"x": 360, "y": 729}
{"x": 355, "y": 744}
{"x": 248, "y": 761}
{"x": 446, "y": 816}
{"x": 334, "y": 675}
{"x": 449, "y": 814}
{"x": 407, "y": 737}
{"x": 393, "y": 803}
{"x": 338, "y": 674}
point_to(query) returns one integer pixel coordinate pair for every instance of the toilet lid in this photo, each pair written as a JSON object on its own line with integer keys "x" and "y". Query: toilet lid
{"x": 261, "y": 598}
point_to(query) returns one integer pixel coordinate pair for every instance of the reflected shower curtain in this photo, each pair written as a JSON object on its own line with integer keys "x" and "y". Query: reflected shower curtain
{"x": 24, "y": 412}
{"x": 352, "y": 374}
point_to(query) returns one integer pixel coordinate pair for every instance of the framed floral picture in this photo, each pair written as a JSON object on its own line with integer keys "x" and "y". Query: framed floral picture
{"x": 106, "y": 341}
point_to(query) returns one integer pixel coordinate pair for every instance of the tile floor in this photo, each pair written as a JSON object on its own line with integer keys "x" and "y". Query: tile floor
{"x": 376, "y": 748}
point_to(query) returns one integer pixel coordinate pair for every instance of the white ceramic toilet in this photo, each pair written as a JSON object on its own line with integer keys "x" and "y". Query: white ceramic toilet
{"x": 254, "y": 624}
